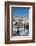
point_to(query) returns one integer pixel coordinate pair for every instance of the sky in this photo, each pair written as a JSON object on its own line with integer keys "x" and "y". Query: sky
{"x": 20, "y": 11}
